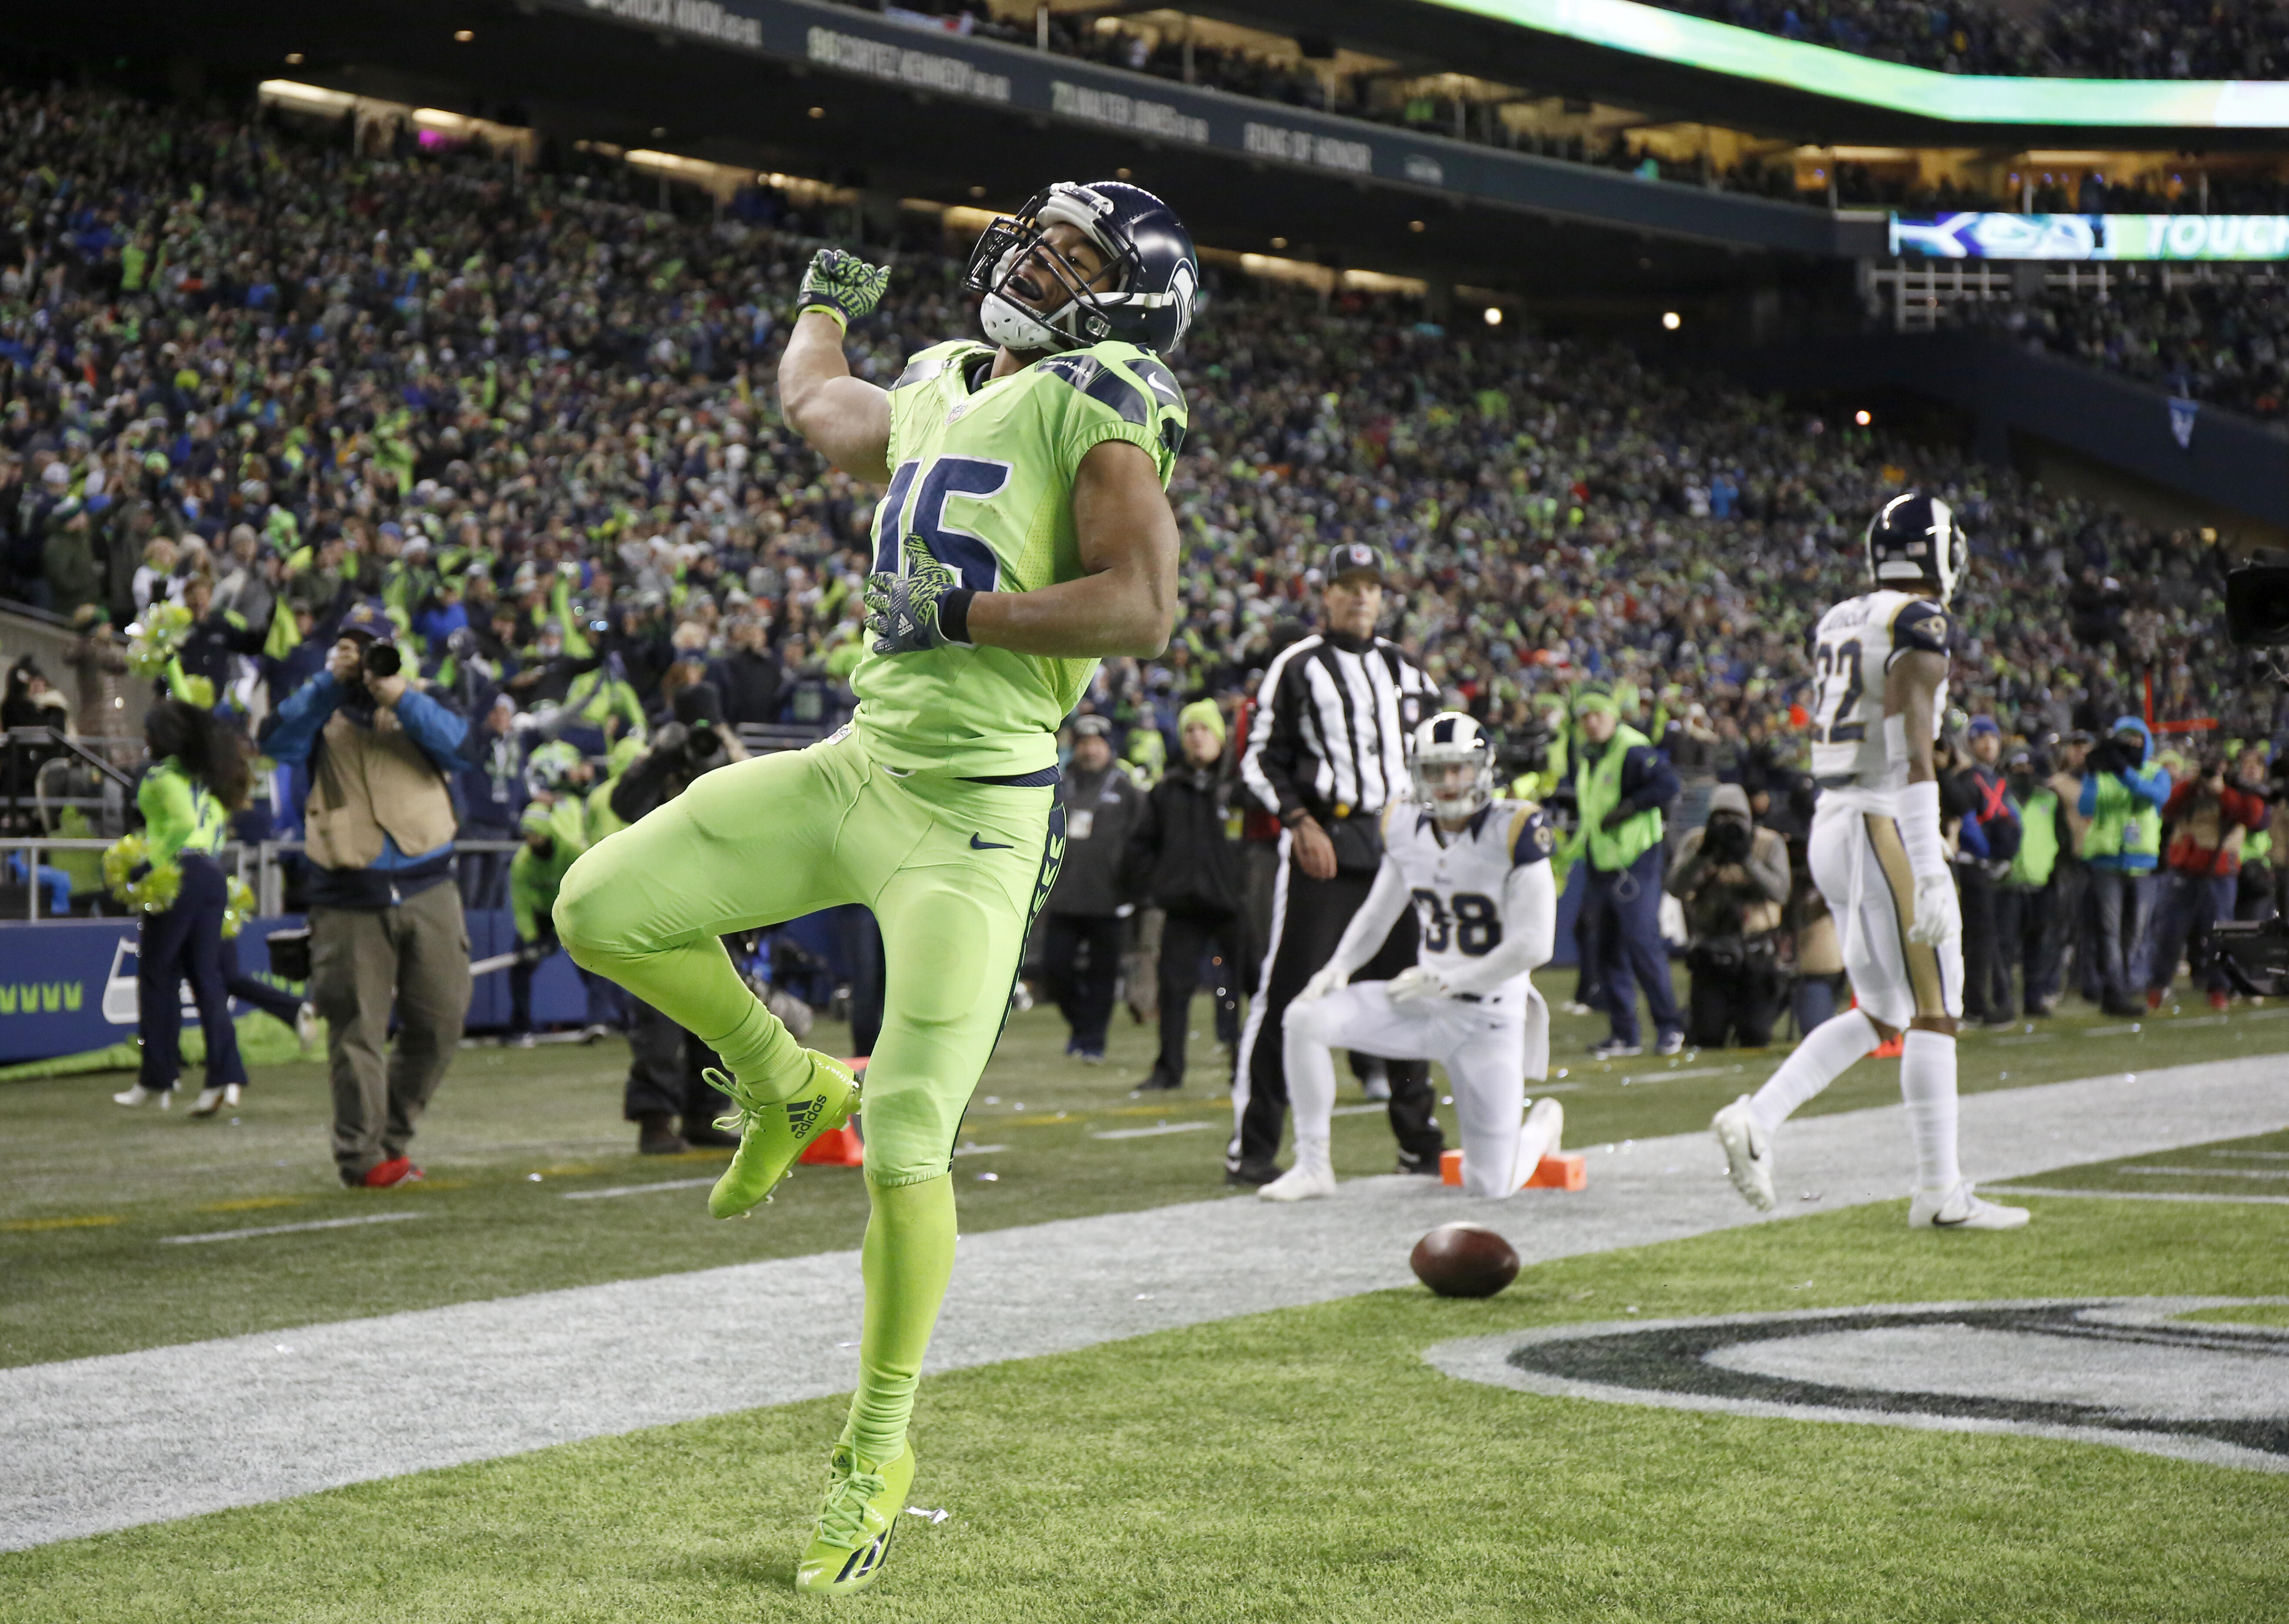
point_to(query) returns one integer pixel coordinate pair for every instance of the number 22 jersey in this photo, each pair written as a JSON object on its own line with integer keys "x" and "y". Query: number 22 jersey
{"x": 1457, "y": 884}
{"x": 1853, "y": 648}
{"x": 982, "y": 471}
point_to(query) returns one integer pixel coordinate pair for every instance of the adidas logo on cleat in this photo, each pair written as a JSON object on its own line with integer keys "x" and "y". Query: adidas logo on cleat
{"x": 802, "y": 1113}
{"x": 868, "y": 1557}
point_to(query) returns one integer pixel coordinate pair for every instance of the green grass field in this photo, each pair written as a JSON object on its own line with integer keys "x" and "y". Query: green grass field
{"x": 1307, "y": 1465}
{"x": 87, "y": 1190}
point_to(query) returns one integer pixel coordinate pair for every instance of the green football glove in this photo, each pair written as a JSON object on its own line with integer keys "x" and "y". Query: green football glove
{"x": 910, "y": 612}
{"x": 842, "y": 285}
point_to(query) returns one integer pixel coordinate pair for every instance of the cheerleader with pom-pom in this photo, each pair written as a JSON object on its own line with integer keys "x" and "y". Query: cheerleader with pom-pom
{"x": 198, "y": 775}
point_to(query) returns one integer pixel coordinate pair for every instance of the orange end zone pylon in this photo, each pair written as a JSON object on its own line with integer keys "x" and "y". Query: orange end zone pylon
{"x": 839, "y": 1147}
{"x": 1566, "y": 1170}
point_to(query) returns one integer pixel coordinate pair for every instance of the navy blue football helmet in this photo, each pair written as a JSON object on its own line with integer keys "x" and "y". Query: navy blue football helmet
{"x": 1156, "y": 280}
{"x": 1914, "y": 539}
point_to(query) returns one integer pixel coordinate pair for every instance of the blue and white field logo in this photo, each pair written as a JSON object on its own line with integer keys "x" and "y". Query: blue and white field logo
{"x": 2129, "y": 1371}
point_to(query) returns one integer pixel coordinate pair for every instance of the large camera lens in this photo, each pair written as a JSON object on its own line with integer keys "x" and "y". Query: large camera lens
{"x": 383, "y": 660}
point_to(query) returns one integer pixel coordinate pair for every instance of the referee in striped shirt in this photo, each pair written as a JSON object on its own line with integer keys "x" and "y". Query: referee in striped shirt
{"x": 1326, "y": 748}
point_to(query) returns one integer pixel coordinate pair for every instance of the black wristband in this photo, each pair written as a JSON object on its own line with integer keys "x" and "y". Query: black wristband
{"x": 954, "y": 614}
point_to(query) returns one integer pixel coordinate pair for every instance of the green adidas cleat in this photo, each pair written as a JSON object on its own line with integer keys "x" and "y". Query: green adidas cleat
{"x": 773, "y": 1132}
{"x": 851, "y": 1539}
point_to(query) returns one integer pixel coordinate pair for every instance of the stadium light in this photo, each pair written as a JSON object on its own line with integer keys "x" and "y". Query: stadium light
{"x": 1280, "y": 242}
{"x": 1864, "y": 418}
{"x": 1493, "y": 316}
{"x": 1672, "y": 320}
{"x": 294, "y": 59}
{"x": 819, "y": 112}
{"x": 1414, "y": 224}
{"x": 462, "y": 37}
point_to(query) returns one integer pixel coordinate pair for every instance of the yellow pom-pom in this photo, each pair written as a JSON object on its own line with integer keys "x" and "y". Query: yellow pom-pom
{"x": 238, "y": 909}
{"x": 127, "y": 852}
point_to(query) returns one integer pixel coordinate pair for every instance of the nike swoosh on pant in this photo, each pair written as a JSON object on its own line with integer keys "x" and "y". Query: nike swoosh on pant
{"x": 978, "y": 845}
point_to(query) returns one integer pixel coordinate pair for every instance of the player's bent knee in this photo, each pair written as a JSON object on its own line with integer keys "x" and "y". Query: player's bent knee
{"x": 586, "y": 915}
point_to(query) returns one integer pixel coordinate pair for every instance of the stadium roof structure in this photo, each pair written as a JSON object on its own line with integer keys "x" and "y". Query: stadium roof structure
{"x": 1642, "y": 56}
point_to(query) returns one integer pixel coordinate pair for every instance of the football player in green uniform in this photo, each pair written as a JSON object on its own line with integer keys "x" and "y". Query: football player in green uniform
{"x": 1023, "y": 534}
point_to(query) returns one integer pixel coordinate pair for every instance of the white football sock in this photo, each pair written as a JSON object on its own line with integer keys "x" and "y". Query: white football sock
{"x": 1827, "y": 1049}
{"x": 1311, "y": 1075}
{"x": 1927, "y": 1084}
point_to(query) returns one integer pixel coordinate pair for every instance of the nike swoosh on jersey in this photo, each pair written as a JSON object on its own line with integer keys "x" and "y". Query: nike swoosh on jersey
{"x": 978, "y": 845}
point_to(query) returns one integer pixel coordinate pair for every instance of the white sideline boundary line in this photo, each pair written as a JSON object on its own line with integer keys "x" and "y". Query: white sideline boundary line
{"x": 2134, "y": 1195}
{"x": 1153, "y": 1132}
{"x": 2215, "y": 1173}
{"x": 113, "y": 1442}
{"x": 289, "y": 1228}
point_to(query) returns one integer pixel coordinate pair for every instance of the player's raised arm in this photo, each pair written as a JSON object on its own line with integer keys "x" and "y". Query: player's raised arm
{"x": 846, "y": 420}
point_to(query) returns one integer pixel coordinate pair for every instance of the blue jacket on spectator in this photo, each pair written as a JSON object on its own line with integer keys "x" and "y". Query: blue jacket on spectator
{"x": 430, "y": 725}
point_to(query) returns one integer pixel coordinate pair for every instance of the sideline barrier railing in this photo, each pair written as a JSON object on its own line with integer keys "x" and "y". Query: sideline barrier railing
{"x": 262, "y": 857}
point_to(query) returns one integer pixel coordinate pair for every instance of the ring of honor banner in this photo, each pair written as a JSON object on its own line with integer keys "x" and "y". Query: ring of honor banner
{"x": 2092, "y": 237}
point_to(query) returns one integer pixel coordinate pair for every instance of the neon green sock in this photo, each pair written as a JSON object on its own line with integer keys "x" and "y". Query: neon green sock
{"x": 907, "y": 1259}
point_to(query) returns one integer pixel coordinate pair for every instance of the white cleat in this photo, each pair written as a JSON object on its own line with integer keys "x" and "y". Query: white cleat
{"x": 1313, "y": 1178}
{"x": 305, "y": 1026}
{"x": 211, "y": 1100}
{"x": 1545, "y": 1128}
{"x": 1748, "y": 1153}
{"x": 1959, "y": 1209}
{"x": 140, "y": 1096}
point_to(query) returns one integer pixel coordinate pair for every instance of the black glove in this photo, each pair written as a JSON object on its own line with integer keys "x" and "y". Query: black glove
{"x": 1616, "y": 818}
{"x": 2106, "y": 758}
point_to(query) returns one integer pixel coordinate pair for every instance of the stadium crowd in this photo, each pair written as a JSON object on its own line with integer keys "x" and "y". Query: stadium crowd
{"x": 257, "y": 375}
{"x": 2224, "y": 342}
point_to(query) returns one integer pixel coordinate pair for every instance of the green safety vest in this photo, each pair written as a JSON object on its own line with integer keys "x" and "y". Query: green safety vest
{"x": 2259, "y": 846}
{"x": 2116, "y": 831}
{"x": 2038, "y": 841}
{"x": 1598, "y": 790}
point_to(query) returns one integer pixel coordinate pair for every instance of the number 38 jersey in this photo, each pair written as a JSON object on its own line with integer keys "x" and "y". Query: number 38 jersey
{"x": 1457, "y": 884}
{"x": 1852, "y": 648}
{"x": 982, "y": 473}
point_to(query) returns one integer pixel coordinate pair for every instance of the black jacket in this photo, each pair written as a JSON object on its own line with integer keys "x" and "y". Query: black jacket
{"x": 1101, "y": 809}
{"x": 1183, "y": 854}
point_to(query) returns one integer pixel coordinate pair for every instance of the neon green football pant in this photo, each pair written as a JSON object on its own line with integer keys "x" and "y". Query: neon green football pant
{"x": 953, "y": 870}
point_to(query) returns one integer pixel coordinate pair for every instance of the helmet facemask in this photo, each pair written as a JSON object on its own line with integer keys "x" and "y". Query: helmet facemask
{"x": 1014, "y": 244}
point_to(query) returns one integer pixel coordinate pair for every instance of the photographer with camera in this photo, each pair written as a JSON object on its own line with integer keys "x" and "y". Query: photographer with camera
{"x": 664, "y": 1062}
{"x": 2210, "y": 818}
{"x": 385, "y": 925}
{"x": 2123, "y": 798}
{"x": 1733, "y": 879}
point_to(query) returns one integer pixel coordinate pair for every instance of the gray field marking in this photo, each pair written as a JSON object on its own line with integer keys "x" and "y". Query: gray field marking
{"x": 2116, "y": 1031}
{"x": 2134, "y": 1195}
{"x": 631, "y": 1190}
{"x": 1155, "y": 1132}
{"x": 106, "y": 1443}
{"x": 2029, "y": 1038}
{"x": 287, "y": 1228}
{"x": 2269, "y": 1156}
{"x": 2213, "y": 1173}
{"x": 1684, "y": 1075}
{"x": 978, "y": 1149}
{"x": 1373, "y": 1108}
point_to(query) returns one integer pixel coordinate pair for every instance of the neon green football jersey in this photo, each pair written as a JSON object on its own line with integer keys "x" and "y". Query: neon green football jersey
{"x": 982, "y": 472}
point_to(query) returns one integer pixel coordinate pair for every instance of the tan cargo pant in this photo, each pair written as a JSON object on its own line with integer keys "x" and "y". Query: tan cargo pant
{"x": 415, "y": 955}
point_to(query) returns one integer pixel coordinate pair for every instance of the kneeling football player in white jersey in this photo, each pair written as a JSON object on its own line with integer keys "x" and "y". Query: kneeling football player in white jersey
{"x": 1879, "y": 857}
{"x": 1476, "y": 872}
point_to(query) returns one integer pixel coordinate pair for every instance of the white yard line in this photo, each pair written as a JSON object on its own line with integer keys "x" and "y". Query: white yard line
{"x": 287, "y": 1228}
{"x": 1155, "y": 1131}
{"x": 632, "y": 1189}
{"x": 108, "y": 1443}
{"x": 1680, "y": 1076}
{"x": 2215, "y": 1173}
{"x": 978, "y": 1149}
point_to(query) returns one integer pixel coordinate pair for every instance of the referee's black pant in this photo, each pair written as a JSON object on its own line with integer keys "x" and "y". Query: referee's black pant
{"x": 1307, "y": 920}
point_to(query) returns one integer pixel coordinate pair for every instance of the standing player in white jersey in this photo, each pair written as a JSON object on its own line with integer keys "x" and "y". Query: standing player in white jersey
{"x": 1879, "y": 857}
{"x": 1477, "y": 874}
